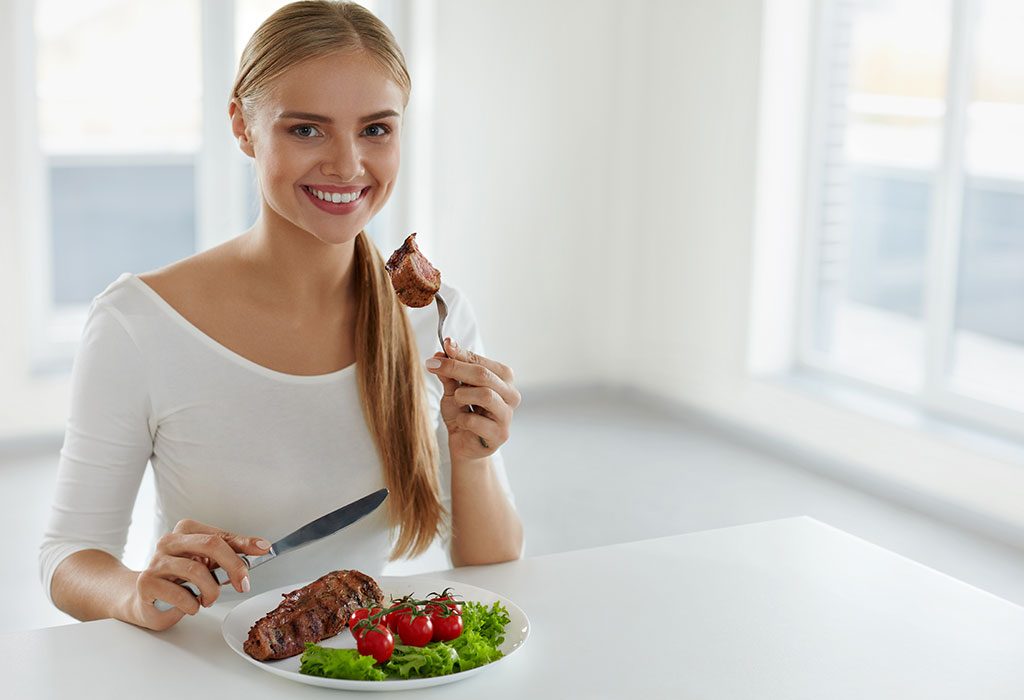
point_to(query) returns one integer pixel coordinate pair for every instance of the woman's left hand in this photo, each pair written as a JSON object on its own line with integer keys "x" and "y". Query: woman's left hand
{"x": 468, "y": 380}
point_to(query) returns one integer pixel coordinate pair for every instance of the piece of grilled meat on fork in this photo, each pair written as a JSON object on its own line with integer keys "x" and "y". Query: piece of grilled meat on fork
{"x": 311, "y": 613}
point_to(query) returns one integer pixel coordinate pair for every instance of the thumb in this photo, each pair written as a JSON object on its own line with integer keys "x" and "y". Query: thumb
{"x": 455, "y": 351}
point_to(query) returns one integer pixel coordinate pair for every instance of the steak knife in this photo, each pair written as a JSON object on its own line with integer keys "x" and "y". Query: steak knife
{"x": 310, "y": 532}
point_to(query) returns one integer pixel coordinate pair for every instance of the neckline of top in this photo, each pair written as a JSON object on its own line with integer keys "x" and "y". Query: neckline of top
{"x": 225, "y": 351}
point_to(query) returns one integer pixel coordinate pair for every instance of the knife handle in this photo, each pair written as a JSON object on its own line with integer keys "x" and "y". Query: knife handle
{"x": 219, "y": 574}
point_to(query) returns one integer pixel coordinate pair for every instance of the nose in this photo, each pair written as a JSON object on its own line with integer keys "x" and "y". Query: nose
{"x": 344, "y": 160}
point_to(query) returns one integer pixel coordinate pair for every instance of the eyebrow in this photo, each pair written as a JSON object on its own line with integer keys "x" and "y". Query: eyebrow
{"x": 319, "y": 118}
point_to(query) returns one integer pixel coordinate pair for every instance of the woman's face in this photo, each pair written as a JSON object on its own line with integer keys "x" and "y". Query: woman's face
{"x": 326, "y": 144}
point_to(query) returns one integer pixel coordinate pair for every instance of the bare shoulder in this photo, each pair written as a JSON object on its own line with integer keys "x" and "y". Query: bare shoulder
{"x": 204, "y": 275}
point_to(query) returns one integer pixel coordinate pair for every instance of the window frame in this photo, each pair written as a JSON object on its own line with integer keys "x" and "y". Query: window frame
{"x": 936, "y": 396}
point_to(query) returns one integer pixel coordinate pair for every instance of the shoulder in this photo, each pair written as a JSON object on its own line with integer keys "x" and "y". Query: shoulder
{"x": 194, "y": 278}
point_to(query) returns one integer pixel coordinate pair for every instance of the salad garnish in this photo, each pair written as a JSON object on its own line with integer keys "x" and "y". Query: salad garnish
{"x": 414, "y": 638}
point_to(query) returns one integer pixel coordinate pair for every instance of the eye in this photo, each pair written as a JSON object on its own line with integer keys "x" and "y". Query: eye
{"x": 306, "y": 131}
{"x": 377, "y": 130}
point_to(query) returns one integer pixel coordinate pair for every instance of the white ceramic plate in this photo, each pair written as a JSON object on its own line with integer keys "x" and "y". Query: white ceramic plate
{"x": 237, "y": 623}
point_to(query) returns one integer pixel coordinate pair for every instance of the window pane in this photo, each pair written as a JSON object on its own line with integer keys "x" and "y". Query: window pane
{"x": 117, "y": 218}
{"x": 117, "y": 79}
{"x": 988, "y": 359}
{"x": 886, "y": 64}
{"x": 116, "y": 76}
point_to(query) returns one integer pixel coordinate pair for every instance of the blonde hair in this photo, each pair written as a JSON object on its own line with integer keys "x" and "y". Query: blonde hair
{"x": 310, "y": 29}
{"x": 391, "y": 382}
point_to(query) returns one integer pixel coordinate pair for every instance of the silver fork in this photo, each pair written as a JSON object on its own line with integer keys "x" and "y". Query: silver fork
{"x": 442, "y": 314}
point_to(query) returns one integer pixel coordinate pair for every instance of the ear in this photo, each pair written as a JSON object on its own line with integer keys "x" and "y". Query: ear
{"x": 239, "y": 128}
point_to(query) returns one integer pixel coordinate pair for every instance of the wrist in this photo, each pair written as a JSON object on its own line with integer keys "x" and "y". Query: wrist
{"x": 470, "y": 462}
{"x": 126, "y": 605}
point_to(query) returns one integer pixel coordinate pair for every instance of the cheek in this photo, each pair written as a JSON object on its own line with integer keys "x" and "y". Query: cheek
{"x": 387, "y": 163}
{"x": 282, "y": 167}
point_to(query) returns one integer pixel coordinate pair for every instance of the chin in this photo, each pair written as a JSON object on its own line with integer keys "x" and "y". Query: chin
{"x": 335, "y": 236}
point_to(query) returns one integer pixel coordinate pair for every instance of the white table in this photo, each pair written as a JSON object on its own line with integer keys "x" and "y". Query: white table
{"x": 784, "y": 609}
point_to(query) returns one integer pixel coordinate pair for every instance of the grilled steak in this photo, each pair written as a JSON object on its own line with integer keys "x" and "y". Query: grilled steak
{"x": 311, "y": 613}
{"x": 415, "y": 280}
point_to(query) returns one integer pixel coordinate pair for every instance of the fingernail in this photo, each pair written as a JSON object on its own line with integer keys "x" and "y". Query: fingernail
{"x": 433, "y": 363}
{"x": 452, "y": 343}
{"x": 262, "y": 544}
{"x": 245, "y": 584}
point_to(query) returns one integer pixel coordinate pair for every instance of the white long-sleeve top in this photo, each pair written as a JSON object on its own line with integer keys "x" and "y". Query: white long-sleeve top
{"x": 232, "y": 443}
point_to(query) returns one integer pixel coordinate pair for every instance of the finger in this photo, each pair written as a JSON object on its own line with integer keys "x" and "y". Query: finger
{"x": 176, "y": 569}
{"x": 244, "y": 544}
{"x": 467, "y": 355}
{"x": 448, "y": 386}
{"x": 485, "y": 398}
{"x": 492, "y": 432}
{"x": 472, "y": 374}
{"x": 153, "y": 586}
{"x": 508, "y": 391}
{"x": 216, "y": 550}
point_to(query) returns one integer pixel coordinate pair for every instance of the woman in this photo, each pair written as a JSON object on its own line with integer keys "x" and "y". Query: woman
{"x": 276, "y": 377}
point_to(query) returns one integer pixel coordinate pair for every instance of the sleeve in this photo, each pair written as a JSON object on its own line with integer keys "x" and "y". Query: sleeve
{"x": 107, "y": 444}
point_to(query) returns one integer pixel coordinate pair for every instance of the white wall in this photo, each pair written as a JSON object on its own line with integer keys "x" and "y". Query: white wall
{"x": 594, "y": 168}
{"x": 595, "y": 163}
{"x": 524, "y": 176}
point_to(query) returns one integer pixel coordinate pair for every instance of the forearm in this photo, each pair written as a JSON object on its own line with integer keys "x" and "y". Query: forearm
{"x": 92, "y": 585}
{"x": 485, "y": 527}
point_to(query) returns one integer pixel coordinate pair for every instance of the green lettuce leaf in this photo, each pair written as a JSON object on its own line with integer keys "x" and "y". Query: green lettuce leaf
{"x": 489, "y": 623}
{"x": 473, "y": 650}
{"x": 435, "y": 659}
{"x": 347, "y": 664}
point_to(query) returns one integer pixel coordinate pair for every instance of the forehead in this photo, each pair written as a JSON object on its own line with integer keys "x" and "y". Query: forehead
{"x": 340, "y": 85}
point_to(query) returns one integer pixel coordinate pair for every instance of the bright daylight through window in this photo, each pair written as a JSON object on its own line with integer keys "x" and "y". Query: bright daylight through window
{"x": 916, "y": 217}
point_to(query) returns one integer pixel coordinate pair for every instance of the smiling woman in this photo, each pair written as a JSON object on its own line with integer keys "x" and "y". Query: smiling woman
{"x": 280, "y": 366}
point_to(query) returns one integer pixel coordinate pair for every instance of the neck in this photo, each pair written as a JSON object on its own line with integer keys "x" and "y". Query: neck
{"x": 298, "y": 269}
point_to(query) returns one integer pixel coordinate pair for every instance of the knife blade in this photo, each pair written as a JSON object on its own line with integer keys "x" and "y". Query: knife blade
{"x": 310, "y": 532}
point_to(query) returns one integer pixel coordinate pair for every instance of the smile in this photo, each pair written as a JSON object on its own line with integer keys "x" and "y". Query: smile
{"x": 335, "y": 202}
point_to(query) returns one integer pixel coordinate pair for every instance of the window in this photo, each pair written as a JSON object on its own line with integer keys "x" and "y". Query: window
{"x": 915, "y": 277}
{"x": 133, "y": 165}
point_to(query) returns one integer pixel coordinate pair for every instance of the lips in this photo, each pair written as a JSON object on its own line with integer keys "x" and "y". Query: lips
{"x": 324, "y": 198}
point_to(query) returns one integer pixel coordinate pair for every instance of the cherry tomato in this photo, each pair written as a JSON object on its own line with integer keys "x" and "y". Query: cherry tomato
{"x": 446, "y": 627}
{"x": 376, "y": 642}
{"x": 445, "y": 600}
{"x": 415, "y": 630}
{"x": 392, "y": 618}
{"x": 356, "y": 616}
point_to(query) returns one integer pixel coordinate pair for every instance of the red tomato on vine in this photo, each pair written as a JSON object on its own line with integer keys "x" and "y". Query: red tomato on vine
{"x": 416, "y": 630}
{"x": 377, "y": 642}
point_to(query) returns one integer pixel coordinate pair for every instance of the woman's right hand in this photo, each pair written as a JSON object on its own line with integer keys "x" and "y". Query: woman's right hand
{"x": 188, "y": 554}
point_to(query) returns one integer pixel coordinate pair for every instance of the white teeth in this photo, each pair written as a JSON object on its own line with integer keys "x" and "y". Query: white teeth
{"x": 336, "y": 197}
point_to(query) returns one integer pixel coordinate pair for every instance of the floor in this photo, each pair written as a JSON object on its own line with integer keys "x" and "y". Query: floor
{"x": 593, "y": 468}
